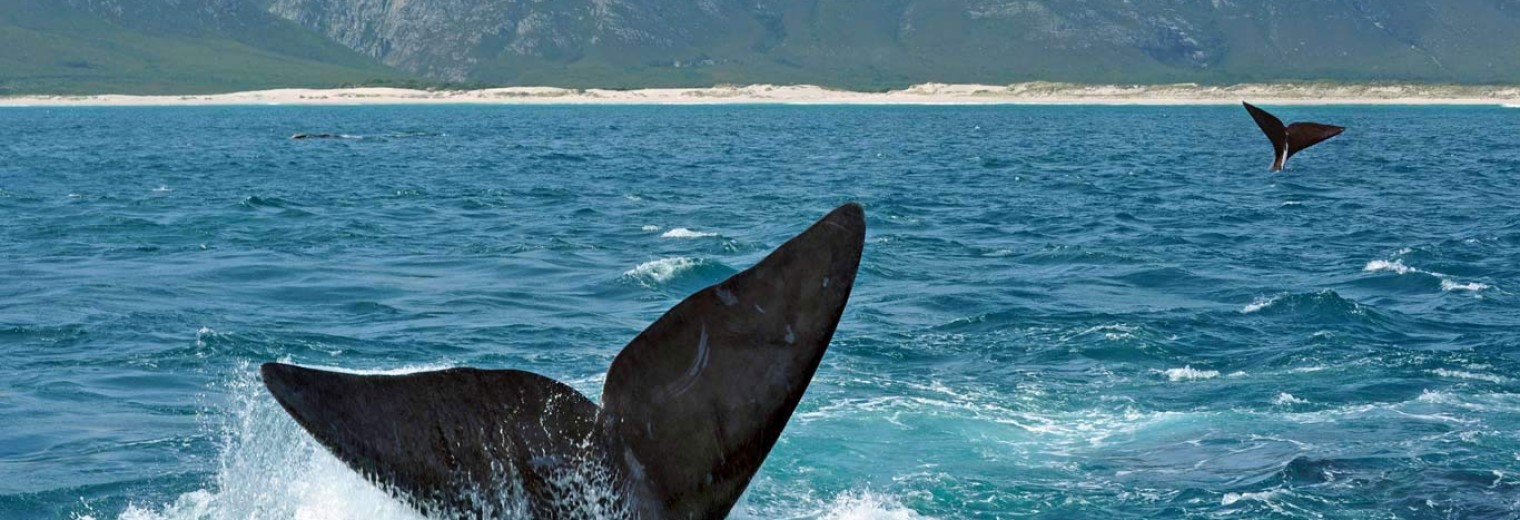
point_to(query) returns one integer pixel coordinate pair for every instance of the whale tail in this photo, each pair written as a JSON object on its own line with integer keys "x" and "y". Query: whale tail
{"x": 690, "y": 408}
{"x": 1290, "y": 139}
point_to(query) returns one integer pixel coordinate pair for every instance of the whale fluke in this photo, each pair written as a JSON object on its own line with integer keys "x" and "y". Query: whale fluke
{"x": 1291, "y": 139}
{"x": 690, "y": 409}
{"x": 446, "y": 441}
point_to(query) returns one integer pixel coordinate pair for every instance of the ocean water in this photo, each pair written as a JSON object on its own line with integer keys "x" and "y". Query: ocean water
{"x": 1063, "y": 312}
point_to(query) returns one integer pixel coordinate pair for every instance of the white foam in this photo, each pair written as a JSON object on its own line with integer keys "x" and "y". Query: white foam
{"x": 1188, "y": 373}
{"x": 1260, "y": 496}
{"x": 681, "y": 232}
{"x": 1460, "y": 374}
{"x": 662, "y": 270}
{"x": 650, "y": 228}
{"x": 1112, "y": 332}
{"x": 1447, "y": 283}
{"x": 270, "y": 468}
{"x": 1396, "y": 266}
{"x": 1260, "y": 303}
{"x": 1284, "y": 399}
{"x": 1449, "y": 286}
{"x": 867, "y": 506}
{"x": 401, "y": 370}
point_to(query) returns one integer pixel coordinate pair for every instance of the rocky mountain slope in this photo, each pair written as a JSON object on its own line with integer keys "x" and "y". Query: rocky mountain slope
{"x": 860, "y": 44}
{"x": 882, "y": 43}
{"x": 166, "y": 46}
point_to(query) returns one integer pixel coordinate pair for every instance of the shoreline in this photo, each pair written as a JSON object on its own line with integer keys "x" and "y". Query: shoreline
{"x": 1036, "y": 93}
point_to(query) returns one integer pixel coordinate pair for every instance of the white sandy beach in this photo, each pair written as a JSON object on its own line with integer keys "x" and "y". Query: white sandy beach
{"x": 1037, "y": 93}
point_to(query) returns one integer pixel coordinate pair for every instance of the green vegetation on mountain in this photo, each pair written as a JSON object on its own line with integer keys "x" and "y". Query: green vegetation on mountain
{"x": 166, "y": 47}
{"x": 873, "y": 44}
{"x": 175, "y": 46}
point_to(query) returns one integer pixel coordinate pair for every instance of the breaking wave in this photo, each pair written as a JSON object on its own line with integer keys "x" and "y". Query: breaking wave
{"x": 681, "y": 232}
{"x": 1448, "y": 282}
{"x": 678, "y": 272}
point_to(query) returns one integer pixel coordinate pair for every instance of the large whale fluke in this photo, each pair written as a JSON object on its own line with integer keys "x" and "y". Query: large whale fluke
{"x": 690, "y": 409}
{"x": 1291, "y": 139}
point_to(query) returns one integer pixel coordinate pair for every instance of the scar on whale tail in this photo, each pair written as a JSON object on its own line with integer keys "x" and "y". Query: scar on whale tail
{"x": 689, "y": 410}
{"x": 1291, "y": 139}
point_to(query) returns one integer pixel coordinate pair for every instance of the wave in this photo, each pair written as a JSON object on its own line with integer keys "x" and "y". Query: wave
{"x": 1448, "y": 282}
{"x": 1111, "y": 332}
{"x": 867, "y": 506}
{"x": 1396, "y": 266}
{"x": 1460, "y": 374}
{"x": 1284, "y": 399}
{"x": 562, "y": 157}
{"x": 1188, "y": 373}
{"x": 678, "y": 272}
{"x": 934, "y": 404}
{"x": 848, "y": 505}
{"x": 1450, "y": 286}
{"x": 681, "y": 232}
{"x": 1261, "y": 303}
{"x": 256, "y": 202}
{"x": 409, "y": 135}
{"x": 1326, "y": 302}
{"x": 662, "y": 270}
{"x": 1260, "y": 496}
{"x": 396, "y": 371}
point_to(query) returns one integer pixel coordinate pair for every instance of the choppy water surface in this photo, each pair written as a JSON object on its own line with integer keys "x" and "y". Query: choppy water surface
{"x": 1063, "y": 312}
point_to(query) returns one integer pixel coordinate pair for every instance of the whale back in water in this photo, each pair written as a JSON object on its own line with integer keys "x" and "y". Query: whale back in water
{"x": 1291, "y": 139}
{"x": 690, "y": 409}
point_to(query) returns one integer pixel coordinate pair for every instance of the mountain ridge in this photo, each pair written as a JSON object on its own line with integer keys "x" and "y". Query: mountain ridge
{"x": 167, "y": 47}
{"x": 851, "y": 44}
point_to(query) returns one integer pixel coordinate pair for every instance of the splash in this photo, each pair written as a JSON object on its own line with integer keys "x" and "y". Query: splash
{"x": 1188, "y": 373}
{"x": 849, "y": 505}
{"x": 270, "y": 468}
{"x": 655, "y": 272}
{"x": 1260, "y": 496}
{"x": 1261, "y": 303}
{"x": 868, "y": 506}
{"x": 1395, "y": 266}
{"x": 681, "y": 232}
{"x": 1285, "y": 399}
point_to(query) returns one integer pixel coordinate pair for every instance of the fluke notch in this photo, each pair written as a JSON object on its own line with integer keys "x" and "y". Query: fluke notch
{"x": 1291, "y": 139}
{"x": 690, "y": 409}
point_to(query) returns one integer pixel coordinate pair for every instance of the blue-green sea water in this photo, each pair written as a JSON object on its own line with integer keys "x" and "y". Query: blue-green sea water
{"x": 1063, "y": 312}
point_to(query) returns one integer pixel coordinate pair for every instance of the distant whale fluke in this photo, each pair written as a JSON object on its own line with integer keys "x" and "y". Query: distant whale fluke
{"x": 690, "y": 407}
{"x": 1291, "y": 139}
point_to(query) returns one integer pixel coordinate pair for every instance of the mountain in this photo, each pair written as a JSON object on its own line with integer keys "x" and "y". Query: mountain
{"x": 167, "y": 47}
{"x": 892, "y": 43}
{"x": 174, "y": 45}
